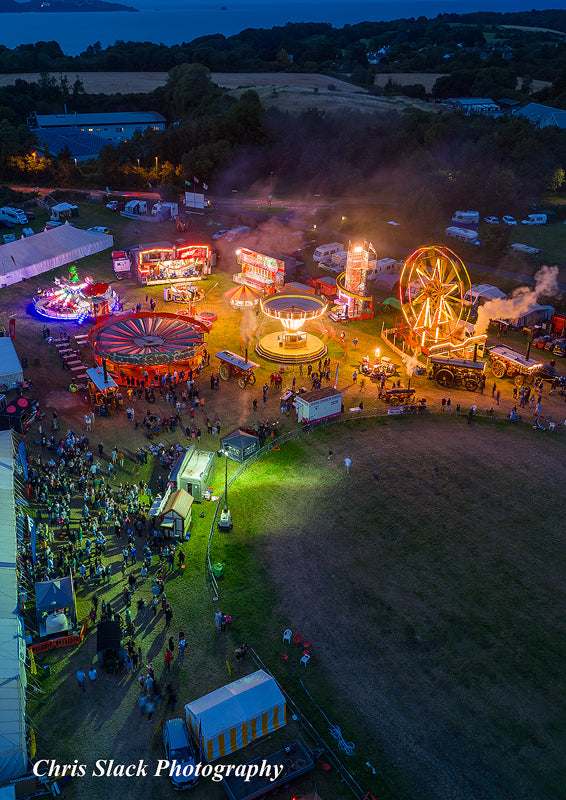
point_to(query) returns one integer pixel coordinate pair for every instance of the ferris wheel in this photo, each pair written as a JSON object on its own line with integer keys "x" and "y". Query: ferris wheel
{"x": 432, "y": 287}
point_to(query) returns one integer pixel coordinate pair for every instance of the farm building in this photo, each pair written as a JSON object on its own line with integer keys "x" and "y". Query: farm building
{"x": 114, "y": 126}
{"x": 45, "y": 251}
{"x": 321, "y": 404}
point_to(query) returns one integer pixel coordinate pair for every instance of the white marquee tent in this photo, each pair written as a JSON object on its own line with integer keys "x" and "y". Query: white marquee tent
{"x": 13, "y": 752}
{"x": 34, "y": 255}
{"x": 11, "y": 373}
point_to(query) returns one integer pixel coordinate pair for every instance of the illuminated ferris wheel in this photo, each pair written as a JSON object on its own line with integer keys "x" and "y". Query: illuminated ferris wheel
{"x": 432, "y": 287}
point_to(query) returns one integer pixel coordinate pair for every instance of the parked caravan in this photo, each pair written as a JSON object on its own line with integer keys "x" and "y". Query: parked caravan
{"x": 463, "y": 235}
{"x": 14, "y": 216}
{"x": 535, "y": 219}
{"x": 326, "y": 250}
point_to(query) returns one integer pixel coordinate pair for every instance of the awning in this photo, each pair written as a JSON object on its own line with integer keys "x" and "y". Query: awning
{"x": 96, "y": 375}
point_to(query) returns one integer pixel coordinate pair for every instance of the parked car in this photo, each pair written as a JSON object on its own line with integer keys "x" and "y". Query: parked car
{"x": 179, "y": 747}
{"x": 491, "y": 220}
{"x": 98, "y": 229}
{"x": 509, "y": 220}
{"x": 115, "y": 205}
{"x": 560, "y": 348}
{"x": 219, "y": 234}
{"x": 541, "y": 341}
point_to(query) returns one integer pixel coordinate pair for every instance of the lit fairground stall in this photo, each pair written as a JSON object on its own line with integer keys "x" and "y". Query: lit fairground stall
{"x": 266, "y": 272}
{"x": 292, "y": 345}
{"x": 146, "y": 346}
{"x": 165, "y": 263}
{"x": 74, "y": 300}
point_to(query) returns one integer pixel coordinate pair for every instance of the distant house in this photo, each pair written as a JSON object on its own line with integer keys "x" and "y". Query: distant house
{"x": 114, "y": 126}
{"x": 543, "y": 116}
{"x": 475, "y": 105}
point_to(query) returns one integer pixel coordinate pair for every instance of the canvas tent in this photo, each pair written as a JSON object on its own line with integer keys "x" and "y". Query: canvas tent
{"x": 236, "y": 714}
{"x": 51, "y": 596}
{"x": 11, "y": 373}
{"x": 37, "y": 254}
{"x": 13, "y": 752}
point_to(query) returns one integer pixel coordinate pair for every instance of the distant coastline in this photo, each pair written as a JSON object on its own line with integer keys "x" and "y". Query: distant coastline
{"x": 59, "y": 6}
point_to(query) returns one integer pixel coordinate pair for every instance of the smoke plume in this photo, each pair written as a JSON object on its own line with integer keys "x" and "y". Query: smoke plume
{"x": 520, "y": 301}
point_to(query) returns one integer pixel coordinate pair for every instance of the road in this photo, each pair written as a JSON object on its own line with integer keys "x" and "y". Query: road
{"x": 298, "y": 211}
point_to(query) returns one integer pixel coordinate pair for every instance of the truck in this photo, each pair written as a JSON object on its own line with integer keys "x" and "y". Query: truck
{"x": 195, "y": 202}
{"x": 122, "y": 264}
{"x": 325, "y": 250}
{"x": 463, "y": 234}
{"x": 136, "y": 206}
{"x": 296, "y": 759}
{"x": 13, "y": 216}
{"x": 236, "y": 233}
{"x": 466, "y": 219}
{"x": 165, "y": 210}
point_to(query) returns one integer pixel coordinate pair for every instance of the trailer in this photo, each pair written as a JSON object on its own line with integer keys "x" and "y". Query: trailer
{"x": 296, "y": 759}
{"x": 456, "y": 372}
{"x": 234, "y": 366}
{"x": 505, "y": 362}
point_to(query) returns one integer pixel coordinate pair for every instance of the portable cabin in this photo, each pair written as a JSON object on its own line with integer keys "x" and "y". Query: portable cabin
{"x": 193, "y": 472}
{"x": 318, "y": 405}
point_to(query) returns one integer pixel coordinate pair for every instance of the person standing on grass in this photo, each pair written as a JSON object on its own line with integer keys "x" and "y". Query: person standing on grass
{"x": 347, "y": 464}
{"x": 168, "y": 657}
{"x": 182, "y": 645}
{"x": 92, "y": 676}
{"x": 81, "y": 678}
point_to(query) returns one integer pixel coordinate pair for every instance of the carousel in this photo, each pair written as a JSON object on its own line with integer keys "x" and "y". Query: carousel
{"x": 292, "y": 345}
{"x": 74, "y": 301}
{"x": 145, "y": 346}
{"x": 242, "y": 297}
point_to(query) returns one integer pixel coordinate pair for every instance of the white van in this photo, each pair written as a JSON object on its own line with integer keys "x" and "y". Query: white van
{"x": 325, "y": 250}
{"x": 14, "y": 216}
{"x": 236, "y": 233}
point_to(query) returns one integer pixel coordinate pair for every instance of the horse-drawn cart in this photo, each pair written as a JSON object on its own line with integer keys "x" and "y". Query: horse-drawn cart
{"x": 234, "y": 366}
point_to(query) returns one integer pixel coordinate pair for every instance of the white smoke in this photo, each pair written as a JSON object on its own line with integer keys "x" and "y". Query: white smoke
{"x": 520, "y": 301}
{"x": 247, "y": 326}
{"x": 411, "y": 365}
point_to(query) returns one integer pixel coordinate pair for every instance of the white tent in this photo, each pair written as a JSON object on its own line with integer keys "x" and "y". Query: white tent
{"x": 236, "y": 714}
{"x": 34, "y": 255}
{"x": 13, "y": 753}
{"x": 11, "y": 373}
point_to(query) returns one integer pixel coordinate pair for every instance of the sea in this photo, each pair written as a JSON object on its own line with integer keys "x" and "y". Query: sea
{"x": 174, "y": 22}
